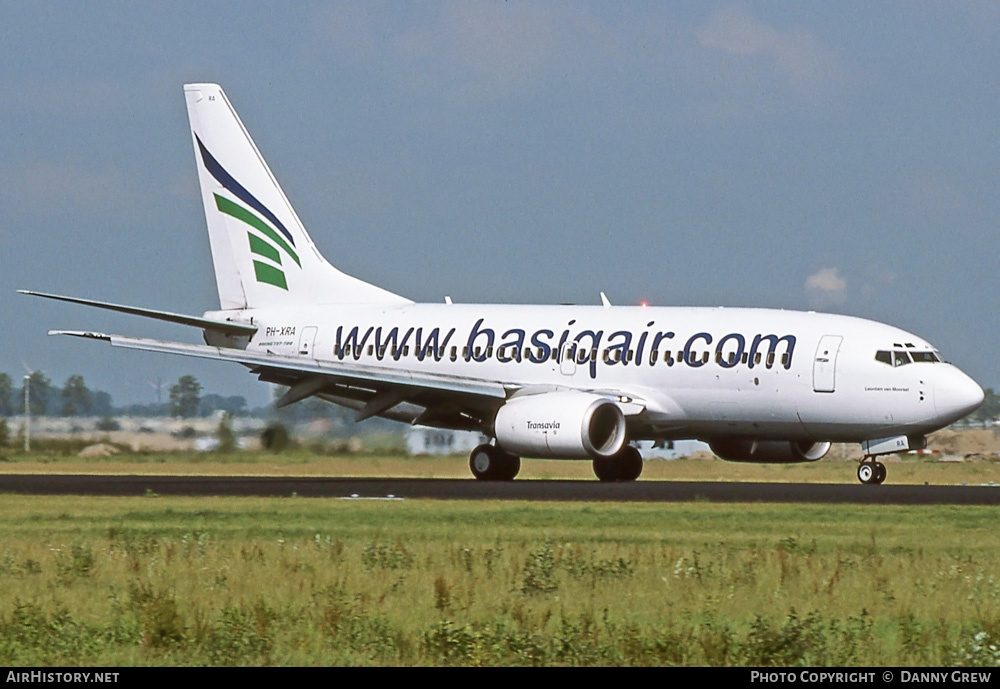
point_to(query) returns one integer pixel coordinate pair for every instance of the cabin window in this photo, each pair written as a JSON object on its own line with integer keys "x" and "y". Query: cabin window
{"x": 371, "y": 348}
{"x": 770, "y": 359}
{"x": 454, "y": 352}
{"x": 652, "y": 357}
{"x": 746, "y": 358}
{"x": 784, "y": 359}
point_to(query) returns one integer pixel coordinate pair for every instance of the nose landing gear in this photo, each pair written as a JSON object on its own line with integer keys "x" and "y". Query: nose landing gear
{"x": 871, "y": 471}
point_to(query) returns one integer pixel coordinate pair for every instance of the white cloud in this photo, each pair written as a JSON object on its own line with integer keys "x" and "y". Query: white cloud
{"x": 795, "y": 54}
{"x": 826, "y": 288}
{"x": 487, "y": 50}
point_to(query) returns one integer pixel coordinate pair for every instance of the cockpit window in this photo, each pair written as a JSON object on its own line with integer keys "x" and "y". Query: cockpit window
{"x": 900, "y": 357}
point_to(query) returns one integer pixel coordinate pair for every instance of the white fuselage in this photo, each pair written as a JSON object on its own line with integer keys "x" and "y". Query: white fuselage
{"x": 700, "y": 372}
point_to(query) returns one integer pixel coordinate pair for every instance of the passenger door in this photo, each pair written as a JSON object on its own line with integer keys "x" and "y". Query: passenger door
{"x": 825, "y": 363}
{"x": 307, "y": 340}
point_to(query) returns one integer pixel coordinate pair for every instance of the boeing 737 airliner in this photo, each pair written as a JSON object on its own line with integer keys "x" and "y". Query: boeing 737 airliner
{"x": 562, "y": 382}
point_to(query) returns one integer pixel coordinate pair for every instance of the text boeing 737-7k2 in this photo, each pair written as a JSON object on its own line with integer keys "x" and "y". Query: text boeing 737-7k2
{"x": 561, "y": 382}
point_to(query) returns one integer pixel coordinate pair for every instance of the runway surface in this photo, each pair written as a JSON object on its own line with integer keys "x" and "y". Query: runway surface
{"x": 471, "y": 489}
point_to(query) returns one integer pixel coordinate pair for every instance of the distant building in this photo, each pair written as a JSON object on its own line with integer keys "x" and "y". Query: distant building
{"x": 424, "y": 440}
{"x": 670, "y": 449}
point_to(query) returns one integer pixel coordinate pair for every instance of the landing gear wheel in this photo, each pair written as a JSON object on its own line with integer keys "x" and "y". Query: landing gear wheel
{"x": 629, "y": 464}
{"x": 606, "y": 469}
{"x": 871, "y": 472}
{"x": 626, "y": 465}
{"x": 880, "y": 472}
{"x": 490, "y": 463}
{"x": 866, "y": 472}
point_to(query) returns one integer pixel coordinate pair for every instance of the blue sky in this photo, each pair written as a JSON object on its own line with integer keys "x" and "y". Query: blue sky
{"x": 837, "y": 156}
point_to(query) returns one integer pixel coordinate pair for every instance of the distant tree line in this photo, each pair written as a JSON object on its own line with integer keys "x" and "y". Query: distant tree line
{"x": 75, "y": 398}
{"x": 186, "y": 400}
{"x": 990, "y": 408}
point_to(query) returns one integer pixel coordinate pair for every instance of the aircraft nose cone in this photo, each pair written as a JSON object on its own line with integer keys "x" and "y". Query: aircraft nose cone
{"x": 957, "y": 395}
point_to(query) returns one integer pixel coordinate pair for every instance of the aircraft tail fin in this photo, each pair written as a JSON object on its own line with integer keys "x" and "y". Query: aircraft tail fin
{"x": 261, "y": 252}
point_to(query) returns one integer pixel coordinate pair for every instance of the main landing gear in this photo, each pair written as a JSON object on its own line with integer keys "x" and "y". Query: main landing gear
{"x": 871, "y": 471}
{"x": 624, "y": 466}
{"x": 490, "y": 463}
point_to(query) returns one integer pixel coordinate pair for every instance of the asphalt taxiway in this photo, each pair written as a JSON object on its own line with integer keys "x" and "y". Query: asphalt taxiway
{"x": 471, "y": 489}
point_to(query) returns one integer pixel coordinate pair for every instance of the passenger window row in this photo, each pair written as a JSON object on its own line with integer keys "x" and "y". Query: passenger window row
{"x": 582, "y": 356}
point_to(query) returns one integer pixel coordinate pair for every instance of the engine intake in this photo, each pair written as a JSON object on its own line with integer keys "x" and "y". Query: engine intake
{"x": 561, "y": 425}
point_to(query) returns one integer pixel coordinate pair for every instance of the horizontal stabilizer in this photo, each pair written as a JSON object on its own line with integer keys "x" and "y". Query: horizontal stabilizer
{"x": 225, "y": 327}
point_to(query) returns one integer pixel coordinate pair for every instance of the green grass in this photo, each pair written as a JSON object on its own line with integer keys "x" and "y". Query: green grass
{"x": 909, "y": 470}
{"x": 295, "y": 581}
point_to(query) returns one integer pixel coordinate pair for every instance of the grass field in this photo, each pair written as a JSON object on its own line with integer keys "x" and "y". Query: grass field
{"x": 296, "y": 581}
{"x": 63, "y": 459}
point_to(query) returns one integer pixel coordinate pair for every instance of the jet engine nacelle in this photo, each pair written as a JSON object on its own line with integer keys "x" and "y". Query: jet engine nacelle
{"x": 769, "y": 451}
{"x": 560, "y": 425}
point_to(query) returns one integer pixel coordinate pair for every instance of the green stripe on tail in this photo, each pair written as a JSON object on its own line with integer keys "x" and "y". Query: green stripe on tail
{"x": 262, "y": 248}
{"x": 240, "y": 213}
{"x": 270, "y": 275}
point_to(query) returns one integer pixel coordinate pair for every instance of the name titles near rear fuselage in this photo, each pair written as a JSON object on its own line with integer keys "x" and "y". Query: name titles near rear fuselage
{"x": 578, "y": 345}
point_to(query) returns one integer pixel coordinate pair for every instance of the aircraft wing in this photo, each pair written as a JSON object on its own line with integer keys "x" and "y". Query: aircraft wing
{"x": 419, "y": 397}
{"x": 374, "y": 388}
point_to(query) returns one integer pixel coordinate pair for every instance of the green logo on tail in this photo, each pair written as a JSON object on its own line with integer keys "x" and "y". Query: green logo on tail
{"x": 265, "y": 244}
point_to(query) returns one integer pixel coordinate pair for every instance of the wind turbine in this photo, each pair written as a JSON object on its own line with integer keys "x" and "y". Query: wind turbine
{"x": 27, "y": 407}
